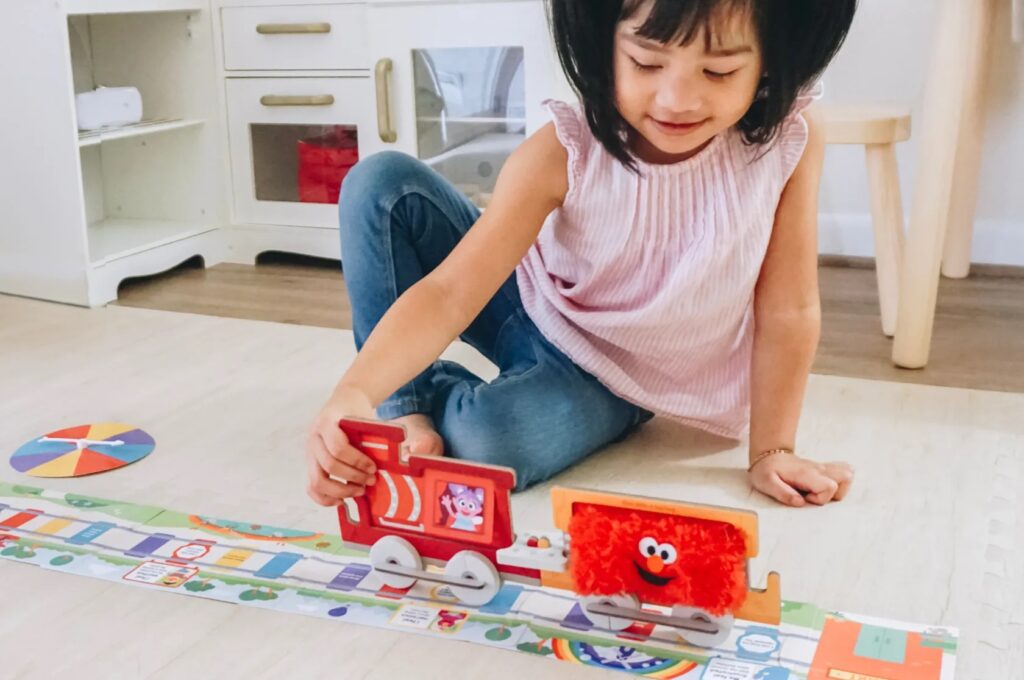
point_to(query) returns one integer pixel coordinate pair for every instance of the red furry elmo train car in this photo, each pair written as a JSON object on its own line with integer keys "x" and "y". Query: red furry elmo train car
{"x": 630, "y": 559}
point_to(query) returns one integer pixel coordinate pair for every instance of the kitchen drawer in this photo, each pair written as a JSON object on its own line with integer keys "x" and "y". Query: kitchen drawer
{"x": 295, "y": 37}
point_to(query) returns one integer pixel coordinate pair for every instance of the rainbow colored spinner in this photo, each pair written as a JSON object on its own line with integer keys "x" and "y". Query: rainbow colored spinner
{"x": 83, "y": 450}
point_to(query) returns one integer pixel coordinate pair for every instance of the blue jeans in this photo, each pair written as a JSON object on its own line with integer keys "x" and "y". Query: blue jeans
{"x": 399, "y": 219}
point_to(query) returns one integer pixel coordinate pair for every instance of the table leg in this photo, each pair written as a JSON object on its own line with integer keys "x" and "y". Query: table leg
{"x": 960, "y": 33}
{"x": 1017, "y": 19}
{"x": 956, "y": 262}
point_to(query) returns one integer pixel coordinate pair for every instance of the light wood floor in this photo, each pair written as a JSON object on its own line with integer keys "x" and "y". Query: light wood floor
{"x": 978, "y": 341}
{"x": 930, "y": 532}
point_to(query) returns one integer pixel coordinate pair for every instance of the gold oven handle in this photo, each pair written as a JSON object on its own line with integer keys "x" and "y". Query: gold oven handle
{"x": 382, "y": 78}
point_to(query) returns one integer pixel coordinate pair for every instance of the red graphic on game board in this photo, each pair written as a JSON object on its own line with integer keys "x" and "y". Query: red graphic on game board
{"x": 192, "y": 551}
{"x": 450, "y": 621}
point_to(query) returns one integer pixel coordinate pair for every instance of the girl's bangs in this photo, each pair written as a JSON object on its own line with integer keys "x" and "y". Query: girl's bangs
{"x": 681, "y": 21}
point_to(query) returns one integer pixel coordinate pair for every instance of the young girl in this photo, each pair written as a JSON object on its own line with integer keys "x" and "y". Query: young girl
{"x": 650, "y": 252}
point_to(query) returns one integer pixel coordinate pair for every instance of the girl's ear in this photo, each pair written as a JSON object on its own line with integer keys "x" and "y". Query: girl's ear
{"x": 457, "y": 488}
{"x": 762, "y": 88}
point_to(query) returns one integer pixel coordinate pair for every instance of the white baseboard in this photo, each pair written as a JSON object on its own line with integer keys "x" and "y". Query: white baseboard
{"x": 995, "y": 241}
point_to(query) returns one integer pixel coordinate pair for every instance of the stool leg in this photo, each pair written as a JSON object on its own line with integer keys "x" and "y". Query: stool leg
{"x": 887, "y": 217}
{"x": 956, "y": 262}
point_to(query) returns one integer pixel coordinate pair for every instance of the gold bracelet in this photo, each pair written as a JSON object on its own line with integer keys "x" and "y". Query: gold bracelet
{"x": 765, "y": 454}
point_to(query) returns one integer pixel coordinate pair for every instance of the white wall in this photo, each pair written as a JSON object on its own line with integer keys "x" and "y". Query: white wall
{"x": 885, "y": 60}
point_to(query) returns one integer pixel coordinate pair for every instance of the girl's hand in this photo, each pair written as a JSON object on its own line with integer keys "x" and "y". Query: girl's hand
{"x": 337, "y": 470}
{"x": 792, "y": 480}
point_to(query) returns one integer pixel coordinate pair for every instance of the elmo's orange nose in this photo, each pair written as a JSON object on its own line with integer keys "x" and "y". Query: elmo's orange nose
{"x": 655, "y": 564}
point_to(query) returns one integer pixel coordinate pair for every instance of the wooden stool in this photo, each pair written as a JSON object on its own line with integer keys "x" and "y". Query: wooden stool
{"x": 878, "y": 128}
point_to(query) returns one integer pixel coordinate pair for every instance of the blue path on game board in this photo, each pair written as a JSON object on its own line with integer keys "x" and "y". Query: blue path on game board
{"x": 503, "y": 601}
{"x": 90, "y": 533}
{"x": 278, "y": 565}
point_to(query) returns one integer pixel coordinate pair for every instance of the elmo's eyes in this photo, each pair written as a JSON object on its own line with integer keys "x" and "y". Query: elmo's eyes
{"x": 649, "y": 547}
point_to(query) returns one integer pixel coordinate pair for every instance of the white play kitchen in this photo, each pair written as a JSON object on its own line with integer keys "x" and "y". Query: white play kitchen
{"x": 165, "y": 129}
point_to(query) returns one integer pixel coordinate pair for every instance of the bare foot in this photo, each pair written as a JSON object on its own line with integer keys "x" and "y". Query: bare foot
{"x": 421, "y": 439}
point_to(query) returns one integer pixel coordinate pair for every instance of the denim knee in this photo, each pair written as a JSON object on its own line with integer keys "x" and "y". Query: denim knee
{"x": 370, "y": 184}
{"x": 373, "y": 185}
{"x": 502, "y": 451}
{"x": 377, "y": 176}
{"x": 494, "y": 434}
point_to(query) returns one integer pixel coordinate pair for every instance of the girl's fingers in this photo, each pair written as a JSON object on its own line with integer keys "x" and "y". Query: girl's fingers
{"x": 330, "y": 492}
{"x": 336, "y": 444}
{"x": 321, "y": 499}
{"x": 321, "y": 487}
{"x": 819, "y": 486}
{"x": 805, "y": 482}
{"x": 842, "y": 473}
{"x": 339, "y": 470}
{"x": 783, "y": 492}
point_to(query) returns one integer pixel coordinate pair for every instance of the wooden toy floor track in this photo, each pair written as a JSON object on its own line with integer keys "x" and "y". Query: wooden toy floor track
{"x": 449, "y": 522}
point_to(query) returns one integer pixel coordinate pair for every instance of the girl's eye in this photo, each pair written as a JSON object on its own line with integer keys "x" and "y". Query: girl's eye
{"x": 643, "y": 67}
{"x": 715, "y": 75}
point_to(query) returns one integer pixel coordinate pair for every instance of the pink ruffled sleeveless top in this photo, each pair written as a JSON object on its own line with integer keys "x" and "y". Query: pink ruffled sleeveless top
{"x": 647, "y": 281}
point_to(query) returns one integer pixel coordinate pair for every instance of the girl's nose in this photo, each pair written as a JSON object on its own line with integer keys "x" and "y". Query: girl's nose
{"x": 655, "y": 564}
{"x": 680, "y": 97}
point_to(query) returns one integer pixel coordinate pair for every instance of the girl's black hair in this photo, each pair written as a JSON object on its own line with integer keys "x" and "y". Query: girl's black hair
{"x": 798, "y": 40}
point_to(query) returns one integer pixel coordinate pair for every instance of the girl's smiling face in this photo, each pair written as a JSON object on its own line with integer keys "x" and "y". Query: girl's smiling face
{"x": 676, "y": 97}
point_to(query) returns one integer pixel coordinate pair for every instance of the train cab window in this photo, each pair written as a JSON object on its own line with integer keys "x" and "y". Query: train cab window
{"x": 461, "y": 510}
{"x": 462, "y": 507}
